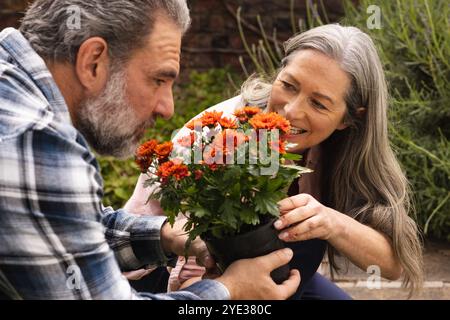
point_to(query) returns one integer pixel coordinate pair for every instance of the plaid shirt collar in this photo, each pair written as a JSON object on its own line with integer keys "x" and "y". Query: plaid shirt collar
{"x": 15, "y": 48}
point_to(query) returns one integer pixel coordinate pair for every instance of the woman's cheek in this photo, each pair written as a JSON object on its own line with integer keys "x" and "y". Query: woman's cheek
{"x": 322, "y": 129}
{"x": 277, "y": 99}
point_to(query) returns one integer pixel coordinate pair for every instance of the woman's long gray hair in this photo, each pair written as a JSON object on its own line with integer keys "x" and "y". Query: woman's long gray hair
{"x": 367, "y": 182}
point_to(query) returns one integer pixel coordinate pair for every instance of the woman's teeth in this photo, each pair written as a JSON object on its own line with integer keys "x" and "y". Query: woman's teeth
{"x": 297, "y": 131}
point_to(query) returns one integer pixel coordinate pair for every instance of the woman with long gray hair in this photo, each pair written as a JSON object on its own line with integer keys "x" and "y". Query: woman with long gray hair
{"x": 332, "y": 89}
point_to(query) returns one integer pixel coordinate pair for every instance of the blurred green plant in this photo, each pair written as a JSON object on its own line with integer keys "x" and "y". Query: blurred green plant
{"x": 202, "y": 90}
{"x": 414, "y": 47}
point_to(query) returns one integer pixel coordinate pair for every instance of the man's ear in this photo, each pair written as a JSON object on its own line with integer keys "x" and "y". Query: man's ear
{"x": 92, "y": 65}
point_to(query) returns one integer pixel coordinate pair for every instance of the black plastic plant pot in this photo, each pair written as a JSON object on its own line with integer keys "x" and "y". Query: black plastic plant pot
{"x": 258, "y": 242}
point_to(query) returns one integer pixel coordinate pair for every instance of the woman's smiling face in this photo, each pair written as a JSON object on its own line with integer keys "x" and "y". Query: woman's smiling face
{"x": 310, "y": 93}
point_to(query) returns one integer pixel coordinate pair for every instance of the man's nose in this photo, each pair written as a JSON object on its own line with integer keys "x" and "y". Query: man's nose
{"x": 165, "y": 106}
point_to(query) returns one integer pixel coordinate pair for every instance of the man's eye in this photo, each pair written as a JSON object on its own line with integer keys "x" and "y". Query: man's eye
{"x": 159, "y": 82}
{"x": 286, "y": 85}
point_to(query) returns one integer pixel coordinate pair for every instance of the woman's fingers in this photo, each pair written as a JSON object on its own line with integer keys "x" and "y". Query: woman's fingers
{"x": 190, "y": 270}
{"x": 291, "y": 203}
{"x": 294, "y": 216}
{"x": 308, "y": 229}
{"x": 137, "y": 274}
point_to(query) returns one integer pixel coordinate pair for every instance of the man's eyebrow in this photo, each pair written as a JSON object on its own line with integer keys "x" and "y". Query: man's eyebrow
{"x": 168, "y": 74}
{"x": 320, "y": 95}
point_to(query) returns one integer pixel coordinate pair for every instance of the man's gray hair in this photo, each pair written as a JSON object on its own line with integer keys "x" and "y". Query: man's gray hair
{"x": 57, "y": 28}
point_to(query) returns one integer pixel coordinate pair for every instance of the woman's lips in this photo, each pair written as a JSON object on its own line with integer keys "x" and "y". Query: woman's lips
{"x": 295, "y": 133}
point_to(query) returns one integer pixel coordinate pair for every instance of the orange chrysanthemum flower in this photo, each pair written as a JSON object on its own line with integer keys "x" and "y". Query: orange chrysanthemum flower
{"x": 143, "y": 163}
{"x": 163, "y": 150}
{"x": 251, "y": 111}
{"x": 146, "y": 149}
{"x": 198, "y": 174}
{"x": 144, "y": 155}
{"x": 270, "y": 121}
{"x": 228, "y": 123}
{"x": 245, "y": 113}
{"x": 209, "y": 118}
{"x": 171, "y": 168}
{"x": 213, "y": 167}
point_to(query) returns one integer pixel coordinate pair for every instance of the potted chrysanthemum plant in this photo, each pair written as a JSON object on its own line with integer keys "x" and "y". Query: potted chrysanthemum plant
{"x": 226, "y": 175}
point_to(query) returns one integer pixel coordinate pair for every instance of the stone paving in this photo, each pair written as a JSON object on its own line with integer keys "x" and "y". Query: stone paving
{"x": 436, "y": 285}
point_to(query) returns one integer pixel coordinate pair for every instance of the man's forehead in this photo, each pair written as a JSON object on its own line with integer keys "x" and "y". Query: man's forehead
{"x": 165, "y": 36}
{"x": 163, "y": 60}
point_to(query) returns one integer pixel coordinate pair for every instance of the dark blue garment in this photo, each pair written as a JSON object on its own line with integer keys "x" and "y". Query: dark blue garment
{"x": 307, "y": 258}
{"x": 320, "y": 288}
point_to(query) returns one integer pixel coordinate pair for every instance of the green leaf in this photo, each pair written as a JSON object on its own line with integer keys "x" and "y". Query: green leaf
{"x": 265, "y": 203}
{"x": 275, "y": 184}
{"x": 236, "y": 190}
{"x": 299, "y": 169}
{"x": 249, "y": 216}
{"x": 229, "y": 213}
{"x": 200, "y": 212}
{"x": 191, "y": 190}
{"x": 292, "y": 156}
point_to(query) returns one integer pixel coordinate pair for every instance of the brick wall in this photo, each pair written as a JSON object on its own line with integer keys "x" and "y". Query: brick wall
{"x": 214, "y": 40}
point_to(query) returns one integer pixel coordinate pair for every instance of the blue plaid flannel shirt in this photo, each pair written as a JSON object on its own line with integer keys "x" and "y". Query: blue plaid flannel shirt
{"x": 57, "y": 241}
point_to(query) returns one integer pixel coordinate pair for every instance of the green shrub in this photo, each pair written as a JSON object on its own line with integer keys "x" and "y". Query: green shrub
{"x": 414, "y": 44}
{"x": 414, "y": 47}
{"x": 200, "y": 92}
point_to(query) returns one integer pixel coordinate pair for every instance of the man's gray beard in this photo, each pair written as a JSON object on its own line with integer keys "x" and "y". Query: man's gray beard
{"x": 108, "y": 122}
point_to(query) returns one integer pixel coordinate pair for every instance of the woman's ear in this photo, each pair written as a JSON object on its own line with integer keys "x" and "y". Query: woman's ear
{"x": 344, "y": 125}
{"x": 360, "y": 112}
{"x": 92, "y": 65}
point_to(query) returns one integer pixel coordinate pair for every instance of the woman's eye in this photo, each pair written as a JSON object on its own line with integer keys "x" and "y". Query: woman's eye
{"x": 318, "y": 105}
{"x": 288, "y": 86}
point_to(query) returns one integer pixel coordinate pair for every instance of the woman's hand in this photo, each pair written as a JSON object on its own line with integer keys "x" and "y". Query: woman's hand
{"x": 137, "y": 274}
{"x": 302, "y": 218}
{"x": 185, "y": 273}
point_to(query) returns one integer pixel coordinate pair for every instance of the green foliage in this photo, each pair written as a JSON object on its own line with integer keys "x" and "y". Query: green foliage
{"x": 202, "y": 90}
{"x": 414, "y": 47}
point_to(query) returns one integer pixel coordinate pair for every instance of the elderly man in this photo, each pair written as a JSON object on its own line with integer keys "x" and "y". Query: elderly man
{"x": 99, "y": 73}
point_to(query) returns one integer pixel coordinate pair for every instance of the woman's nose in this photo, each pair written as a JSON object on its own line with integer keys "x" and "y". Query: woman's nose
{"x": 288, "y": 110}
{"x": 294, "y": 108}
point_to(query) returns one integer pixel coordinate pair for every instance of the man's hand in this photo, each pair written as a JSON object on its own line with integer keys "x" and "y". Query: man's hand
{"x": 250, "y": 278}
{"x": 173, "y": 240}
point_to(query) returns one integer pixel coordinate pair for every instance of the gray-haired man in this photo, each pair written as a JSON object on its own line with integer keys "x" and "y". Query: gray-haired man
{"x": 96, "y": 72}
